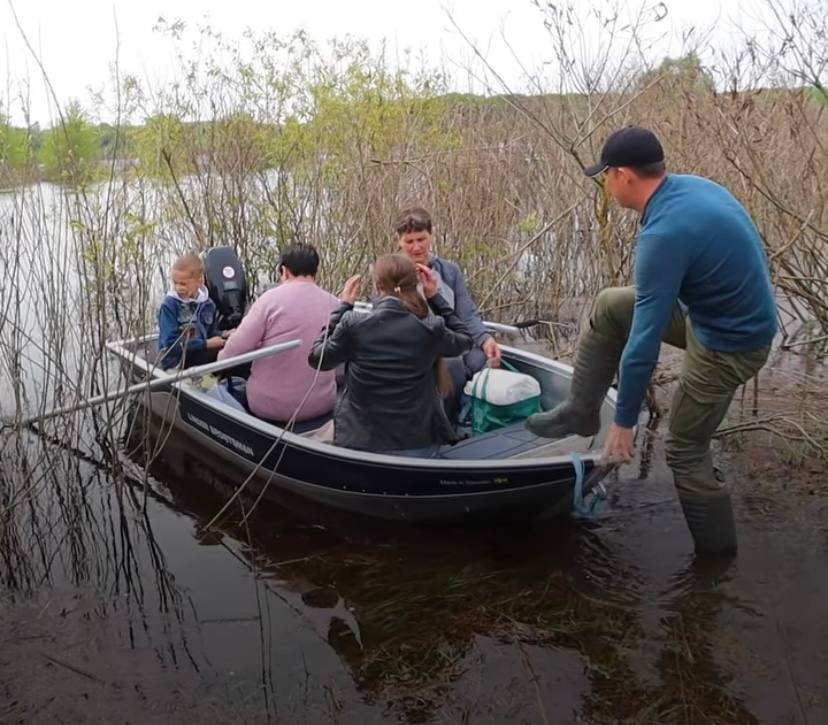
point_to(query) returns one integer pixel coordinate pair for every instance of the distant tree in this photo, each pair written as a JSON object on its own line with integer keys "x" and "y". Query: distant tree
{"x": 14, "y": 146}
{"x": 114, "y": 142}
{"x": 159, "y": 136}
{"x": 35, "y": 139}
{"x": 107, "y": 139}
{"x": 681, "y": 74}
{"x": 70, "y": 151}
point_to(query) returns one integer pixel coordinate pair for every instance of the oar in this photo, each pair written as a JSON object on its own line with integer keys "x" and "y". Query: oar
{"x": 160, "y": 382}
{"x": 511, "y": 330}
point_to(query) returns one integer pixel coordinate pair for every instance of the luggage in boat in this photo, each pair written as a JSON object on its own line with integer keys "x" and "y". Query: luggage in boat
{"x": 500, "y": 397}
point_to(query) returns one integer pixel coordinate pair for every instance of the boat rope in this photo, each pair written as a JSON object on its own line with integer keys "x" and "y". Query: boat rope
{"x": 582, "y": 508}
{"x": 271, "y": 471}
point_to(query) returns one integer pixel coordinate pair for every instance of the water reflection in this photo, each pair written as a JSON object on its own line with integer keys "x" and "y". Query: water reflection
{"x": 308, "y": 615}
{"x": 415, "y": 614}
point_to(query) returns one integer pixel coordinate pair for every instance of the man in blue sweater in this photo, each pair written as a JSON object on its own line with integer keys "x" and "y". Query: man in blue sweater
{"x": 701, "y": 284}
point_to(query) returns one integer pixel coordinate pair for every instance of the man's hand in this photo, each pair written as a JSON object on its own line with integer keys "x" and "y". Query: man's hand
{"x": 352, "y": 290}
{"x": 215, "y": 342}
{"x": 429, "y": 281}
{"x": 493, "y": 352}
{"x": 620, "y": 446}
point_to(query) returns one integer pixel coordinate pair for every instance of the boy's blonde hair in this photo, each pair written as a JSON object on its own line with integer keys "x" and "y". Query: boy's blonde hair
{"x": 189, "y": 263}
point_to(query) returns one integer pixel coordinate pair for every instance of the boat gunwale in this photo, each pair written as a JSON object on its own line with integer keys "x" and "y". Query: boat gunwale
{"x": 368, "y": 458}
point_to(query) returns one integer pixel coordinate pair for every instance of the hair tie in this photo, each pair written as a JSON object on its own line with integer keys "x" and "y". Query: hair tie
{"x": 397, "y": 289}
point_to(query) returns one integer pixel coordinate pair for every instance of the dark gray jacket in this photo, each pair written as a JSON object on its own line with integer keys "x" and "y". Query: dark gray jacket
{"x": 390, "y": 399}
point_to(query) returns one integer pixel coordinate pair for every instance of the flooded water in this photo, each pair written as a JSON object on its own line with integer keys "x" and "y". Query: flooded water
{"x": 114, "y": 612}
{"x": 308, "y": 616}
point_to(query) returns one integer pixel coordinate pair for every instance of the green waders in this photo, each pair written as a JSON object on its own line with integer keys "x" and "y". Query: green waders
{"x": 709, "y": 379}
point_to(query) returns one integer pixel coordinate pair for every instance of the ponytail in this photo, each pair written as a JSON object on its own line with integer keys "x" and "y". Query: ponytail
{"x": 396, "y": 275}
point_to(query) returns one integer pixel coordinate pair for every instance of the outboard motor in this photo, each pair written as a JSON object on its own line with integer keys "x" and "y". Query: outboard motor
{"x": 226, "y": 284}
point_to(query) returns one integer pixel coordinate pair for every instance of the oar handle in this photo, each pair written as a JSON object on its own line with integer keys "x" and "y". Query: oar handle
{"x": 162, "y": 381}
{"x": 510, "y": 330}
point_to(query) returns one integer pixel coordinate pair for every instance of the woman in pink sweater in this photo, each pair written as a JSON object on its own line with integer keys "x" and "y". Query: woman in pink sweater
{"x": 297, "y": 308}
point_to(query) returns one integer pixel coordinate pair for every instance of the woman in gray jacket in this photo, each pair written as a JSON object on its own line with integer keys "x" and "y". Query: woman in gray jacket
{"x": 394, "y": 376}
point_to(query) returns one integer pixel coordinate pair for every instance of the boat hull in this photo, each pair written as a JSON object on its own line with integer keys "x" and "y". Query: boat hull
{"x": 405, "y": 490}
{"x": 536, "y": 481}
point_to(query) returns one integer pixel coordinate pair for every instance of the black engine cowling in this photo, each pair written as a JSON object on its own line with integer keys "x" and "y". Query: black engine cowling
{"x": 226, "y": 284}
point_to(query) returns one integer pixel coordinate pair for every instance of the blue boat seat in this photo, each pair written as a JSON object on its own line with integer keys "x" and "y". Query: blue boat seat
{"x": 505, "y": 442}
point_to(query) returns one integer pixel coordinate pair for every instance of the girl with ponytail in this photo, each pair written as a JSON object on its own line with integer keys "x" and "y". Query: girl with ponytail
{"x": 395, "y": 377}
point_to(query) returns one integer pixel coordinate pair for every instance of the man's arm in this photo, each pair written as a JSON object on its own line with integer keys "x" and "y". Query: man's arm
{"x": 659, "y": 271}
{"x": 248, "y": 336}
{"x": 466, "y": 310}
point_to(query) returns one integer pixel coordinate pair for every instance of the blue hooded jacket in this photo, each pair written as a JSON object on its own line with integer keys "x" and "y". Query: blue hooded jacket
{"x": 185, "y": 324}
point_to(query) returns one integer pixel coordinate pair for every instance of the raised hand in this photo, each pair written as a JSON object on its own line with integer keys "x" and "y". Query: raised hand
{"x": 428, "y": 279}
{"x": 352, "y": 289}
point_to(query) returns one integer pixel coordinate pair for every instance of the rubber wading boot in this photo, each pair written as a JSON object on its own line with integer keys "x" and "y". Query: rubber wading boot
{"x": 710, "y": 520}
{"x": 580, "y": 414}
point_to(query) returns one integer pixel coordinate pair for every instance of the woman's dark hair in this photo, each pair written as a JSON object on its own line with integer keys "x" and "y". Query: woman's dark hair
{"x": 413, "y": 219}
{"x": 396, "y": 274}
{"x": 300, "y": 259}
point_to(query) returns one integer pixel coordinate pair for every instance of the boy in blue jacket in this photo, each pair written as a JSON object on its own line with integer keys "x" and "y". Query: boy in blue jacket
{"x": 188, "y": 331}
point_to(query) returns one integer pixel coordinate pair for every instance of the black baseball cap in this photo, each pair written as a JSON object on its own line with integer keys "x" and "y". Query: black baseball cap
{"x": 630, "y": 146}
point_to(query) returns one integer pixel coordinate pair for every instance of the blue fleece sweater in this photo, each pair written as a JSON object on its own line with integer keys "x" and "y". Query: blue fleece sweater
{"x": 185, "y": 324}
{"x": 696, "y": 244}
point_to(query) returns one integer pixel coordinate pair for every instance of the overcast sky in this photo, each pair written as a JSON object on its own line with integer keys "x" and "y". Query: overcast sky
{"x": 77, "y": 40}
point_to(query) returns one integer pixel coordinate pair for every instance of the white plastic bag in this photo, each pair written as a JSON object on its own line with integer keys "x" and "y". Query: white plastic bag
{"x": 502, "y": 387}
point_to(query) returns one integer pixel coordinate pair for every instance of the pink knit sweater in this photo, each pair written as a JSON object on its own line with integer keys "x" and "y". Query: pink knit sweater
{"x": 295, "y": 309}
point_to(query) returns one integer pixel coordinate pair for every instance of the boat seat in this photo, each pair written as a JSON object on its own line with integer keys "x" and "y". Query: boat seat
{"x": 506, "y": 442}
{"x": 514, "y": 441}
